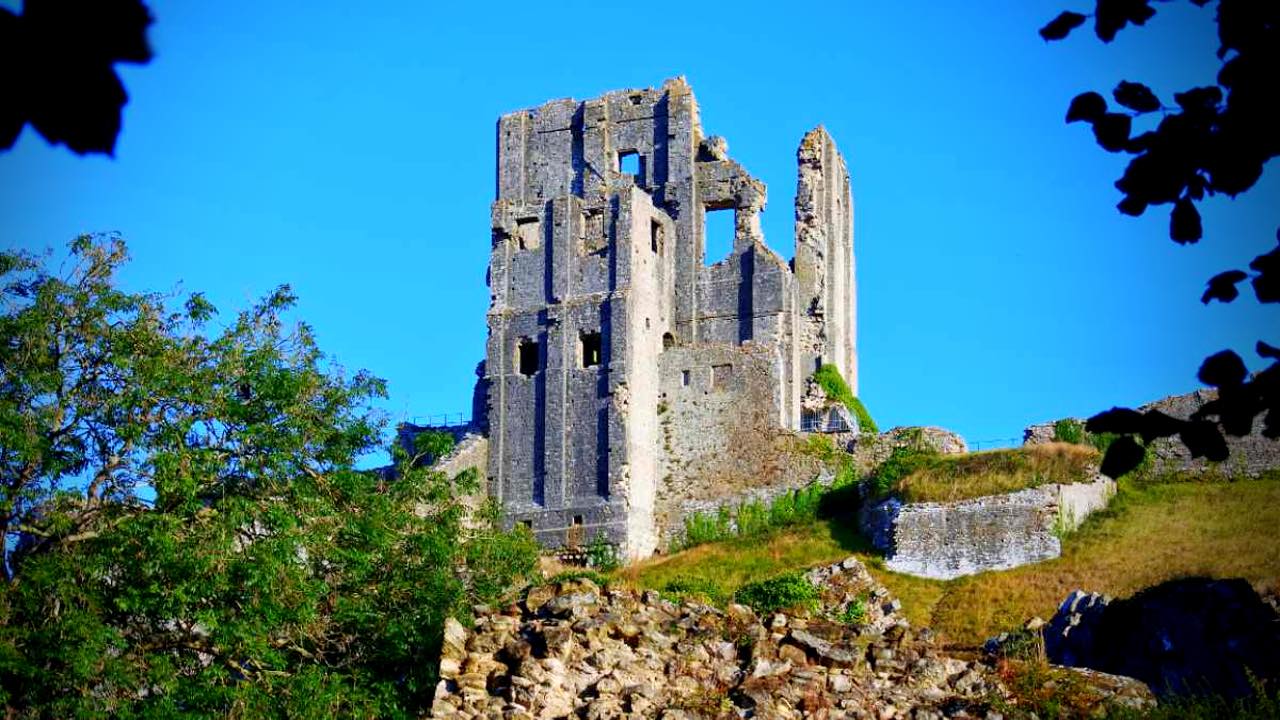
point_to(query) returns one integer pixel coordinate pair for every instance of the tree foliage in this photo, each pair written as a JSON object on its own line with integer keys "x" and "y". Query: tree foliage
{"x": 1214, "y": 139}
{"x": 186, "y": 532}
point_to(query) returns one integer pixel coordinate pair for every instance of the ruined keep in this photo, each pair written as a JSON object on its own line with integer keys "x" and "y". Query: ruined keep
{"x": 622, "y": 362}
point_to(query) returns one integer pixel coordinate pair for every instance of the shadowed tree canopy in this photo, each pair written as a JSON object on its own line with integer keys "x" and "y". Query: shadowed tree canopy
{"x": 57, "y": 59}
{"x": 1214, "y": 139}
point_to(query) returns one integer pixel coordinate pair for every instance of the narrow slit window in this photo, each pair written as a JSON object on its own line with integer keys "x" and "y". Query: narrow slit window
{"x": 684, "y": 378}
{"x": 527, "y": 356}
{"x": 655, "y": 237}
{"x": 591, "y": 349}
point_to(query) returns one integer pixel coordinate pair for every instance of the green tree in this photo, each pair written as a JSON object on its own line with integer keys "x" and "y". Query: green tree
{"x": 186, "y": 532}
{"x": 1214, "y": 139}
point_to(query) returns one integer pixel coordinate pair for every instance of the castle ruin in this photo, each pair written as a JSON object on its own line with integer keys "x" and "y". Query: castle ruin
{"x": 623, "y": 365}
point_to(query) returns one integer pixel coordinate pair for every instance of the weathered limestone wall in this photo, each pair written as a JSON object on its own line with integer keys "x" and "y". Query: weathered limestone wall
{"x": 948, "y": 540}
{"x": 720, "y": 440}
{"x": 598, "y": 280}
{"x": 824, "y": 261}
{"x": 1250, "y": 455}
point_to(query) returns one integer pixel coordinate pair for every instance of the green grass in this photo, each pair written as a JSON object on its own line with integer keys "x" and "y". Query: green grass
{"x": 1151, "y": 532}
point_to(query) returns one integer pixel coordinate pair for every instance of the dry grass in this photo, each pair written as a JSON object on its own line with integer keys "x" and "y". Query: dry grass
{"x": 960, "y": 477}
{"x": 1150, "y": 533}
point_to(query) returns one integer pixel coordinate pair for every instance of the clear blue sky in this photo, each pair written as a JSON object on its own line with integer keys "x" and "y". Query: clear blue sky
{"x": 348, "y": 149}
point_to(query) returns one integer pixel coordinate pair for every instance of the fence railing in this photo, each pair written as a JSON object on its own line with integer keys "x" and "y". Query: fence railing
{"x": 994, "y": 443}
{"x": 442, "y": 420}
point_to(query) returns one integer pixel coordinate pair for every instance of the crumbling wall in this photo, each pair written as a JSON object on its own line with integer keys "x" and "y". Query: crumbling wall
{"x": 824, "y": 261}
{"x": 721, "y": 444}
{"x": 591, "y": 258}
{"x": 998, "y": 532}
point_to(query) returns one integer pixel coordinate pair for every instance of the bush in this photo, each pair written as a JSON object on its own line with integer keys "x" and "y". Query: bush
{"x": 903, "y": 461}
{"x": 829, "y": 378}
{"x": 1069, "y": 430}
{"x": 602, "y": 555}
{"x": 595, "y": 577}
{"x": 855, "y": 613}
{"x": 778, "y": 593}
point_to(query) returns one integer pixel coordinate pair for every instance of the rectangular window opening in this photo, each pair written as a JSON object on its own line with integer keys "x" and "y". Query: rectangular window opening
{"x": 529, "y": 233}
{"x": 527, "y": 524}
{"x": 718, "y": 234}
{"x": 527, "y": 356}
{"x": 578, "y": 521}
{"x": 592, "y": 348}
{"x": 684, "y": 378}
{"x": 630, "y": 163}
{"x": 720, "y": 376}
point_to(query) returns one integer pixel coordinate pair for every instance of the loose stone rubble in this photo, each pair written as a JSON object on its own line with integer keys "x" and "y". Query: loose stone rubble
{"x": 574, "y": 649}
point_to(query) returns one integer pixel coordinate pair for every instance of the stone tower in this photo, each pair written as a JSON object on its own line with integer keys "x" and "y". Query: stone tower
{"x": 621, "y": 366}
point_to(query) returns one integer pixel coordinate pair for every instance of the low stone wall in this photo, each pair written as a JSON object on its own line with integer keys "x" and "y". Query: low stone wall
{"x": 1250, "y": 455}
{"x": 948, "y": 540}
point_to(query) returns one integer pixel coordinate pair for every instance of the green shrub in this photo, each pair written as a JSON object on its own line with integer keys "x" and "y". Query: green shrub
{"x": 1069, "y": 430}
{"x": 778, "y": 593}
{"x": 855, "y": 613}
{"x": 702, "y": 528}
{"x": 828, "y": 377}
{"x": 686, "y": 586}
{"x": 602, "y": 555}
{"x": 903, "y": 461}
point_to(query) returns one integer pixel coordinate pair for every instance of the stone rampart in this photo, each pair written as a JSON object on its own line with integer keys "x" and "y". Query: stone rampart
{"x": 998, "y": 532}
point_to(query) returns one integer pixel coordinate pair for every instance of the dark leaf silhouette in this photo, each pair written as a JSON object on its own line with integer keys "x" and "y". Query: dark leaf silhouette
{"x": 1205, "y": 440}
{"x": 1266, "y": 284}
{"x": 1061, "y": 26}
{"x": 1217, "y": 140}
{"x": 1121, "y": 421}
{"x": 1123, "y": 456}
{"x": 1087, "y": 106}
{"x": 1159, "y": 425}
{"x": 1199, "y": 100}
{"x": 1184, "y": 222}
{"x": 1136, "y": 97}
{"x": 1112, "y": 15}
{"x": 60, "y": 56}
{"x": 1112, "y": 131}
{"x": 1223, "y": 369}
{"x": 1222, "y": 286}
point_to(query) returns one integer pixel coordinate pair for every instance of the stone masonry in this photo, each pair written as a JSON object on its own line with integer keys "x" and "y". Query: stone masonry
{"x": 607, "y": 315}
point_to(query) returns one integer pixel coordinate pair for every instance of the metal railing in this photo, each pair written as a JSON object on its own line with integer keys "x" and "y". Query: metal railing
{"x": 994, "y": 443}
{"x": 442, "y": 420}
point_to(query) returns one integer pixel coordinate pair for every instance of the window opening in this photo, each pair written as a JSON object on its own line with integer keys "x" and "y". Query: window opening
{"x": 718, "y": 234}
{"x": 684, "y": 378}
{"x": 668, "y": 341}
{"x": 527, "y": 352}
{"x": 655, "y": 237}
{"x": 720, "y": 375}
{"x": 630, "y": 163}
{"x": 591, "y": 349}
{"x": 529, "y": 233}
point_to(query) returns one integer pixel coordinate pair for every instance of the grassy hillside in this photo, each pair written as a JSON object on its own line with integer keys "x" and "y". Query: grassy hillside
{"x": 1152, "y": 532}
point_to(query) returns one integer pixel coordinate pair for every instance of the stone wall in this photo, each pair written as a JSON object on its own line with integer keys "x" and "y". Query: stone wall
{"x": 720, "y": 439}
{"x": 948, "y": 540}
{"x": 1250, "y": 455}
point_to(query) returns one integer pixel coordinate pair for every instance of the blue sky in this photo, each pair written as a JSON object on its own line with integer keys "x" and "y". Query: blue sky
{"x": 348, "y": 149}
